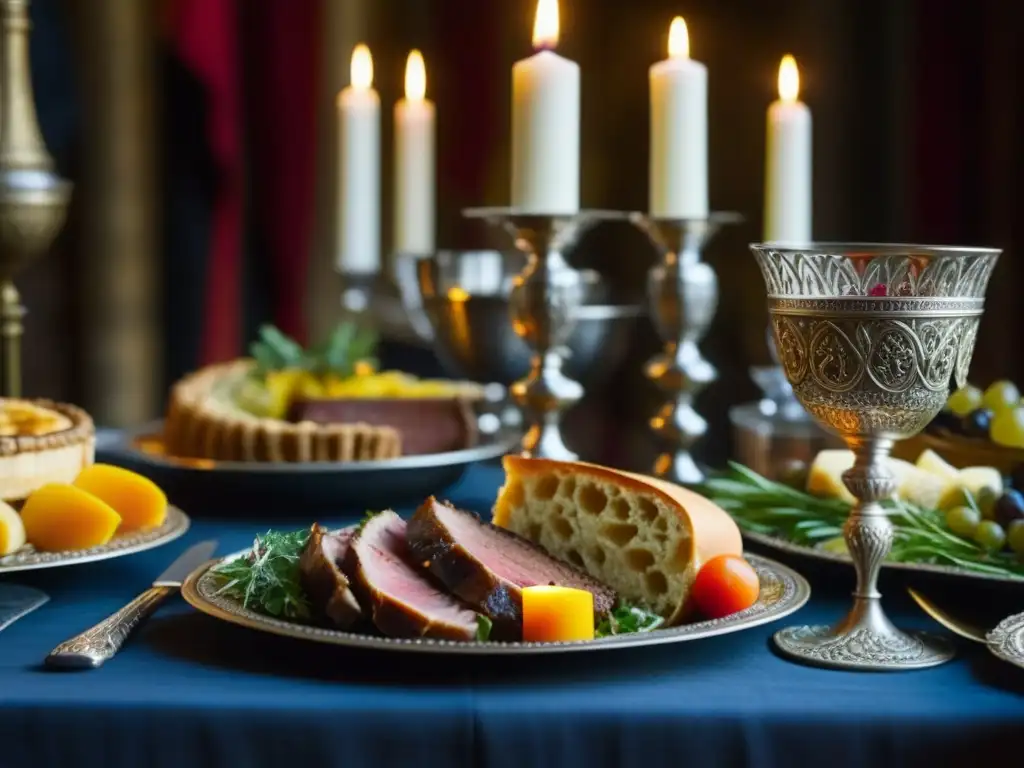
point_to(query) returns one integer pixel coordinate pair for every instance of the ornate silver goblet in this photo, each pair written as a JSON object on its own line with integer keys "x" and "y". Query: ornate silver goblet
{"x": 870, "y": 337}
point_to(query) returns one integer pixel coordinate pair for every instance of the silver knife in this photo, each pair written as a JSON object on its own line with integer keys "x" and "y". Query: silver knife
{"x": 17, "y": 601}
{"x": 99, "y": 643}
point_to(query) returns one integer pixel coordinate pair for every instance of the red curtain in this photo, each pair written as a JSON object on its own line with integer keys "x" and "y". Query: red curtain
{"x": 204, "y": 35}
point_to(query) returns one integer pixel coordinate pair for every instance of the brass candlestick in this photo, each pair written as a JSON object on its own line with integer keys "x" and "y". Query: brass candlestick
{"x": 33, "y": 198}
{"x": 683, "y": 294}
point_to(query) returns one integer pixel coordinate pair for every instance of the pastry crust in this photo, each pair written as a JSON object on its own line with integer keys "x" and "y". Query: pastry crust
{"x": 203, "y": 423}
{"x": 53, "y": 443}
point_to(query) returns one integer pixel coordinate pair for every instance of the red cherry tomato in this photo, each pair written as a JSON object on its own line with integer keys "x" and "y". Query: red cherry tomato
{"x": 724, "y": 585}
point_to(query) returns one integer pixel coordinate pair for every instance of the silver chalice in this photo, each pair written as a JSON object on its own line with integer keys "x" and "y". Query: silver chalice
{"x": 870, "y": 337}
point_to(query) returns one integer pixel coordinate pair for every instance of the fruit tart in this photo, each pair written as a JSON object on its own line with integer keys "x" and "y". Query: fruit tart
{"x": 325, "y": 404}
{"x": 42, "y": 442}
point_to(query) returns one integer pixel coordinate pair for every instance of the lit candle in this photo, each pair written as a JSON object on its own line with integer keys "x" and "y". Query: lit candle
{"x": 679, "y": 131}
{"x": 557, "y": 614}
{"x": 546, "y": 123}
{"x": 414, "y": 163}
{"x": 358, "y": 246}
{"x": 787, "y": 187}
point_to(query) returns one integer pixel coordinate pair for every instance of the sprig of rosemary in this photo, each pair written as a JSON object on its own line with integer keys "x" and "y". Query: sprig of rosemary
{"x": 266, "y": 579}
{"x": 763, "y": 506}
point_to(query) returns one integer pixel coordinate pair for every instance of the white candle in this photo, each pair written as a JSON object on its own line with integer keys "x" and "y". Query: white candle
{"x": 787, "y": 188}
{"x": 546, "y": 124}
{"x": 679, "y": 131}
{"x": 358, "y": 245}
{"x": 414, "y": 163}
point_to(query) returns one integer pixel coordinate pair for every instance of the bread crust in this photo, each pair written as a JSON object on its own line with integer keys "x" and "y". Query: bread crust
{"x": 711, "y": 531}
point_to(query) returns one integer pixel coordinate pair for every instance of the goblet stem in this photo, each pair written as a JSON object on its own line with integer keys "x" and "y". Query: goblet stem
{"x": 865, "y": 638}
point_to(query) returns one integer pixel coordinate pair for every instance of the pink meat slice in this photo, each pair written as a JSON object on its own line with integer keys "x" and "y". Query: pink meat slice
{"x": 323, "y": 580}
{"x": 401, "y": 601}
{"x": 488, "y": 566}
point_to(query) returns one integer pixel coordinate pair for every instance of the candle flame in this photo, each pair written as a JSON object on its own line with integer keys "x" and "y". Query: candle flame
{"x": 789, "y": 79}
{"x": 415, "y": 76}
{"x": 678, "y": 39}
{"x": 545, "y": 24}
{"x": 361, "y": 72}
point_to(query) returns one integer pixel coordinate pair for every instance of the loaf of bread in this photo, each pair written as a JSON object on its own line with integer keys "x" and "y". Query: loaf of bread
{"x": 643, "y": 537}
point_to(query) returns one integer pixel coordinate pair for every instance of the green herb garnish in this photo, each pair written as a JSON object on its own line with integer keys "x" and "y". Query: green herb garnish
{"x": 347, "y": 345}
{"x": 483, "y": 628}
{"x": 627, "y": 619}
{"x": 763, "y": 506}
{"x": 266, "y": 579}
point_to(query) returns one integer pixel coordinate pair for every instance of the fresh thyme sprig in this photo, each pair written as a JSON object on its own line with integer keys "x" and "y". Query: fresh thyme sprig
{"x": 763, "y": 506}
{"x": 266, "y": 579}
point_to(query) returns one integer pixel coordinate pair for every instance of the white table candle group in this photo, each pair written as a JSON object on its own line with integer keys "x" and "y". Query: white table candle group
{"x": 545, "y": 170}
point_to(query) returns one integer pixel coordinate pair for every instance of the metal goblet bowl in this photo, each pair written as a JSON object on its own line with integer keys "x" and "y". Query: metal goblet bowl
{"x": 459, "y": 302}
{"x": 870, "y": 337}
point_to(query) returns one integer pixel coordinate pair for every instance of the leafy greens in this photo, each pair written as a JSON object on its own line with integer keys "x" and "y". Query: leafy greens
{"x": 763, "y": 506}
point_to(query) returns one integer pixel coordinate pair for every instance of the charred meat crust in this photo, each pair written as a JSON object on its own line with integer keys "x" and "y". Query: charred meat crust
{"x": 323, "y": 580}
{"x": 433, "y": 546}
{"x": 392, "y": 615}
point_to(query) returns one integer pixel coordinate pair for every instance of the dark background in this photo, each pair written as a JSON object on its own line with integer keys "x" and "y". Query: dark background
{"x": 916, "y": 106}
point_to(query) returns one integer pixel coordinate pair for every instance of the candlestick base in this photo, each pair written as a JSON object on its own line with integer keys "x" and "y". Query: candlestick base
{"x": 544, "y": 301}
{"x": 683, "y": 294}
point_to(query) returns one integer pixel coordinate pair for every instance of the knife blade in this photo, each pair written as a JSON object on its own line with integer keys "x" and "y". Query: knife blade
{"x": 98, "y": 644}
{"x": 17, "y": 601}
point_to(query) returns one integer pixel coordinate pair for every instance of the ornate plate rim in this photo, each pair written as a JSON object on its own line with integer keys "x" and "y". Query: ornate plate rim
{"x": 782, "y": 545}
{"x": 174, "y": 527}
{"x": 795, "y": 591}
{"x": 504, "y": 441}
{"x": 1006, "y": 641}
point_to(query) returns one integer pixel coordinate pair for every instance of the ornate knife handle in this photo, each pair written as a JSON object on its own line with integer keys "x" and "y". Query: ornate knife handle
{"x": 98, "y": 644}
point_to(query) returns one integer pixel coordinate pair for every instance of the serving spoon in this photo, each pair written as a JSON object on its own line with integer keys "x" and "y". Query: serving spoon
{"x": 1005, "y": 641}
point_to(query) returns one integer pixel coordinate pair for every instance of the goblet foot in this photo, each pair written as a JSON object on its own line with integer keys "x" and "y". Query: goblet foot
{"x": 876, "y": 649}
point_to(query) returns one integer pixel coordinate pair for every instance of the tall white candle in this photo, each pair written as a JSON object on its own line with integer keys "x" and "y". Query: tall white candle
{"x": 787, "y": 188}
{"x": 414, "y": 163}
{"x": 358, "y": 245}
{"x": 678, "y": 174}
{"x": 546, "y": 123}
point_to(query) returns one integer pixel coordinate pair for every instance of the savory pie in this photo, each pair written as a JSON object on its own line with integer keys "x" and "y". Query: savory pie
{"x": 286, "y": 404}
{"x": 42, "y": 442}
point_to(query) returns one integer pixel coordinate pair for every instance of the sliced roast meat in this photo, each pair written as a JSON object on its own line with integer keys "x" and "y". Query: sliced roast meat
{"x": 400, "y": 599}
{"x": 323, "y": 580}
{"x": 488, "y": 566}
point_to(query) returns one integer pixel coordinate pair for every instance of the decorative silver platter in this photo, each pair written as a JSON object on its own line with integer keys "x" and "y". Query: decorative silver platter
{"x": 783, "y": 591}
{"x": 28, "y": 559}
{"x": 788, "y": 547}
{"x": 356, "y": 485}
{"x": 1006, "y": 641}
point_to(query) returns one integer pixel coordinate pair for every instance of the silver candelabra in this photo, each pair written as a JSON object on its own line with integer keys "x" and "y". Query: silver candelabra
{"x": 683, "y": 295}
{"x": 543, "y": 305}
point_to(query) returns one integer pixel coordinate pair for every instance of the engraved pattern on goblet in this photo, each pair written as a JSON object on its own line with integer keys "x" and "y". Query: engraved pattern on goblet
{"x": 869, "y": 337}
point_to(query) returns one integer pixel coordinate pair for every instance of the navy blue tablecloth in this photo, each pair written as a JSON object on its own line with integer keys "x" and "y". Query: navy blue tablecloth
{"x": 189, "y": 691}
